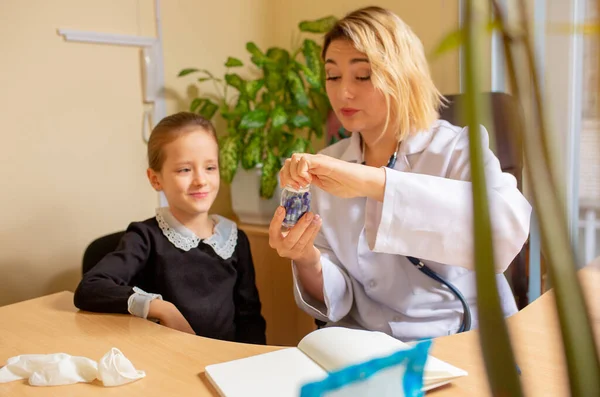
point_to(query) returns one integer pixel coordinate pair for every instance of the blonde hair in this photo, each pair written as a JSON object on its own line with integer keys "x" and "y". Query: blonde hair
{"x": 399, "y": 67}
{"x": 171, "y": 128}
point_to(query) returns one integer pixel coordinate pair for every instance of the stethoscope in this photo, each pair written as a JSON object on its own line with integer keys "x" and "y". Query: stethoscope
{"x": 466, "y": 322}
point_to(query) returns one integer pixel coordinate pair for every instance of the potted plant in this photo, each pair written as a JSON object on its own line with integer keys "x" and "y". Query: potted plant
{"x": 268, "y": 118}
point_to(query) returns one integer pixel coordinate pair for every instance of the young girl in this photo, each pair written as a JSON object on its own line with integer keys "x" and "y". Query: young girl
{"x": 191, "y": 271}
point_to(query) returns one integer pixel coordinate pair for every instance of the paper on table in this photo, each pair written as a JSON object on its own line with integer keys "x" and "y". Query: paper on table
{"x": 63, "y": 369}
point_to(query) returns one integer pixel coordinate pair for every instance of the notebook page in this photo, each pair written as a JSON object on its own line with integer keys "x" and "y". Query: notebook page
{"x": 280, "y": 373}
{"x": 336, "y": 347}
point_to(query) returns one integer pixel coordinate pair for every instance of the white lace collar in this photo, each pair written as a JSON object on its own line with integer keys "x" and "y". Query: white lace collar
{"x": 223, "y": 240}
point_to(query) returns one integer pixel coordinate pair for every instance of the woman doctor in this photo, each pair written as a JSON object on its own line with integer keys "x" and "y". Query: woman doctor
{"x": 397, "y": 190}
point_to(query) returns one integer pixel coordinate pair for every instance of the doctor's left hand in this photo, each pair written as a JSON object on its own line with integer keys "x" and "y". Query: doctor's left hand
{"x": 298, "y": 243}
{"x": 337, "y": 177}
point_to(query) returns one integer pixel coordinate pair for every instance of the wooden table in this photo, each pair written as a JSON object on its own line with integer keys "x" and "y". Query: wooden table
{"x": 174, "y": 362}
{"x": 536, "y": 340}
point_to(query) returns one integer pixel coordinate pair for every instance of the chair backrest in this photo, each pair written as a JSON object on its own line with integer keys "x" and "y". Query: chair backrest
{"x": 98, "y": 249}
{"x": 506, "y": 127}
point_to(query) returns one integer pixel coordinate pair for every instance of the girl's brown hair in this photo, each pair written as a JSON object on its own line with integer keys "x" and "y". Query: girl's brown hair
{"x": 169, "y": 129}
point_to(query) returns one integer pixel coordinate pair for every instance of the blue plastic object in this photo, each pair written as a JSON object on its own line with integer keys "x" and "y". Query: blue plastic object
{"x": 406, "y": 367}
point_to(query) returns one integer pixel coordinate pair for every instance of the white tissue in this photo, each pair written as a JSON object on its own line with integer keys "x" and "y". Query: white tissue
{"x": 49, "y": 369}
{"x": 62, "y": 369}
{"x": 115, "y": 369}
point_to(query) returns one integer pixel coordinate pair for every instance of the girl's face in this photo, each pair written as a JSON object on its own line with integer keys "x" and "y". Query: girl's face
{"x": 190, "y": 174}
{"x": 359, "y": 106}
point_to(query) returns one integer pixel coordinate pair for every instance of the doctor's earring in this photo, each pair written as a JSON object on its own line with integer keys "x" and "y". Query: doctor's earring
{"x": 296, "y": 203}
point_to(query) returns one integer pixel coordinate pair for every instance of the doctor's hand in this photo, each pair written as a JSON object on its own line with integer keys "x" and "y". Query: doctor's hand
{"x": 337, "y": 177}
{"x": 298, "y": 243}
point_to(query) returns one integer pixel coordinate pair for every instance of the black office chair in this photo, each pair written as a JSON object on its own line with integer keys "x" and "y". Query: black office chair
{"x": 98, "y": 249}
{"x": 507, "y": 126}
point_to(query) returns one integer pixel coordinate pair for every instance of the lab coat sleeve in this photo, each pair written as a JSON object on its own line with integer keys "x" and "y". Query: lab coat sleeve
{"x": 337, "y": 286}
{"x": 430, "y": 217}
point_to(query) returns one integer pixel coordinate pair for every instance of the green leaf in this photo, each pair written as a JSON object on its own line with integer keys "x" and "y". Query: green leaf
{"x": 494, "y": 337}
{"x": 300, "y": 121}
{"x": 312, "y": 54}
{"x": 252, "y": 88}
{"x": 321, "y": 103}
{"x": 228, "y": 157}
{"x": 185, "y": 72}
{"x": 279, "y": 56}
{"x": 274, "y": 80}
{"x": 195, "y": 104}
{"x": 253, "y": 49}
{"x": 252, "y": 153}
{"x": 268, "y": 178}
{"x": 235, "y": 81}
{"x": 456, "y": 38}
{"x": 258, "y": 61}
{"x": 264, "y": 106}
{"x": 274, "y": 70}
{"x": 313, "y": 79}
{"x": 299, "y": 145}
{"x": 242, "y": 106}
{"x": 284, "y": 142}
{"x": 239, "y": 136}
{"x": 208, "y": 73}
{"x": 204, "y": 107}
{"x": 275, "y": 140}
{"x": 202, "y": 79}
{"x": 225, "y": 111}
{"x": 229, "y": 116}
{"x": 233, "y": 62}
{"x": 322, "y": 25}
{"x": 258, "y": 58}
{"x": 450, "y": 42}
{"x": 278, "y": 117}
{"x": 316, "y": 122}
{"x": 254, "y": 119}
{"x": 265, "y": 102}
{"x": 298, "y": 90}
{"x": 208, "y": 109}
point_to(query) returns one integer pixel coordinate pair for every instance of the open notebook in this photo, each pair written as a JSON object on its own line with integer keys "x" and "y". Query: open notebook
{"x": 283, "y": 372}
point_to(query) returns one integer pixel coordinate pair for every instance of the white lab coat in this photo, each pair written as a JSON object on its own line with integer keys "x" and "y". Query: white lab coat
{"x": 426, "y": 213}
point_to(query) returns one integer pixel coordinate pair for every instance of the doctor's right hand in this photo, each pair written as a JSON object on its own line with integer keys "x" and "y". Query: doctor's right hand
{"x": 298, "y": 243}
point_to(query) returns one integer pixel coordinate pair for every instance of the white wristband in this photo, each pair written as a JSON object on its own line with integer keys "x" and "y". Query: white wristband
{"x": 138, "y": 303}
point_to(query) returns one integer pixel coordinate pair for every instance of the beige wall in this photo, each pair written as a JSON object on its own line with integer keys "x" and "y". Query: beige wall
{"x": 203, "y": 34}
{"x": 73, "y": 157}
{"x": 430, "y": 19}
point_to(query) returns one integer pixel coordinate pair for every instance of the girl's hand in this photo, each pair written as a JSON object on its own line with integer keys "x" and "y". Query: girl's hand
{"x": 169, "y": 316}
